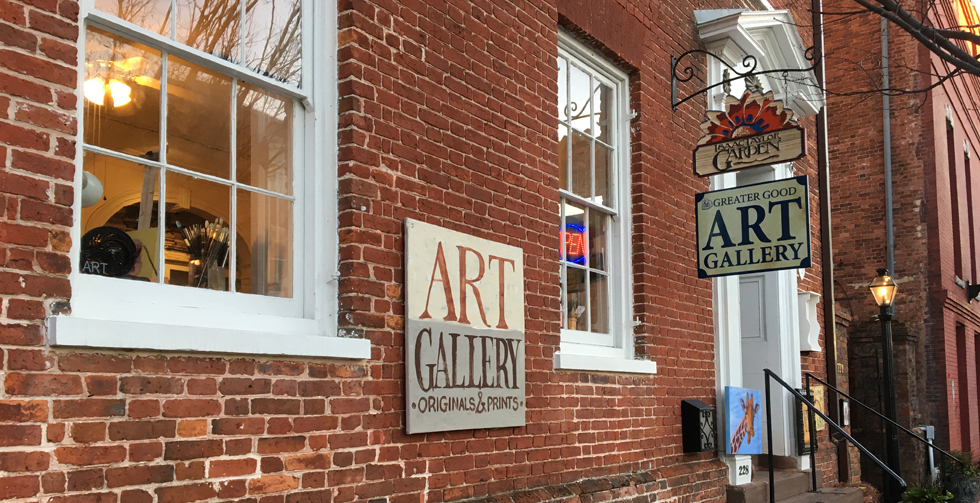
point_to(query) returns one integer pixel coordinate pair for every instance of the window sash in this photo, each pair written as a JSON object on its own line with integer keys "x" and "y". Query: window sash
{"x": 618, "y": 272}
{"x": 184, "y": 171}
{"x": 102, "y": 298}
{"x": 115, "y": 25}
{"x": 586, "y": 336}
{"x": 596, "y": 76}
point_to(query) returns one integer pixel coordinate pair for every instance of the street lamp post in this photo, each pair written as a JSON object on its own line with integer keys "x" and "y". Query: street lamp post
{"x": 883, "y": 288}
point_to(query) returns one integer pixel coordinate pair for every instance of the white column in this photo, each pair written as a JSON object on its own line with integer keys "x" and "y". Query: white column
{"x": 728, "y": 353}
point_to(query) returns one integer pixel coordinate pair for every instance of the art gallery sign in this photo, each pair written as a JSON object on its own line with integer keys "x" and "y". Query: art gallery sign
{"x": 754, "y": 130}
{"x": 464, "y": 331}
{"x": 755, "y": 228}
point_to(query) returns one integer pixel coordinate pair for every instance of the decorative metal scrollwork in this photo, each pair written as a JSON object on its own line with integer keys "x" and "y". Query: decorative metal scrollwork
{"x": 685, "y": 73}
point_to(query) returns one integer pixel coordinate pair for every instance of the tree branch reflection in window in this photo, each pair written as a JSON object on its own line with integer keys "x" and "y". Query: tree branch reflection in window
{"x": 270, "y": 45}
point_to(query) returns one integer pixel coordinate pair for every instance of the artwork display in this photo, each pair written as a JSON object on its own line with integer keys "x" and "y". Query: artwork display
{"x": 146, "y": 242}
{"x": 743, "y": 420}
{"x": 820, "y": 400}
{"x": 107, "y": 251}
{"x": 803, "y": 424}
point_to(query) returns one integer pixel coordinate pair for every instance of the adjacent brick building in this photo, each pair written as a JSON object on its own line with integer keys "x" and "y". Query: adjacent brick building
{"x": 933, "y": 136}
{"x": 294, "y": 140}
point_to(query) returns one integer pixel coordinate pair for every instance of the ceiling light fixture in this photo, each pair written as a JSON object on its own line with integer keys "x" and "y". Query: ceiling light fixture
{"x": 97, "y": 88}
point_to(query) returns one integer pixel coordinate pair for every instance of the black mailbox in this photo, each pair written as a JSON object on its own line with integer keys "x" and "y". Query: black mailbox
{"x": 698, "y": 426}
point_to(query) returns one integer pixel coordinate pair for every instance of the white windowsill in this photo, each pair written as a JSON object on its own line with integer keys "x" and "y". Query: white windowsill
{"x": 568, "y": 361}
{"x": 298, "y": 338}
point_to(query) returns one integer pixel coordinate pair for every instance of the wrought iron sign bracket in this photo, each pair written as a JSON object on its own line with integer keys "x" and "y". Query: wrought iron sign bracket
{"x": 751, "y": 62}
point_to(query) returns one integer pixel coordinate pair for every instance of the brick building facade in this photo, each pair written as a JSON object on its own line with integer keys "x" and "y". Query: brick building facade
{"x": 443, "y": 112}
{"x": 933, "y": 135}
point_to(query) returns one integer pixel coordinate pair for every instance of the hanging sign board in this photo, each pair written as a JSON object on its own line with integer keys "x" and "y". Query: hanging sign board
{"x": 464, "y": 331}
{"x": 746, "y": 152}
{"x": 753, "y": 131}
{"x": 755, "y": 228}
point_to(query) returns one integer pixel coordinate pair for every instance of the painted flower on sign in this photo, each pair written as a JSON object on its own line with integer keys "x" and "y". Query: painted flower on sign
{"x": 754, "y": 113}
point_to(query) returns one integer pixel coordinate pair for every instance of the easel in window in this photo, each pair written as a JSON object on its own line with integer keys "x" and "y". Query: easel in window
{"x": 150, "y": 174}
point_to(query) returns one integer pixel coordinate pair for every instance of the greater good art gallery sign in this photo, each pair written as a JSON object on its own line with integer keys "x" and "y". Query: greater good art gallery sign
{"x": 464, "y": 332}
{"x": 761, "y": 227}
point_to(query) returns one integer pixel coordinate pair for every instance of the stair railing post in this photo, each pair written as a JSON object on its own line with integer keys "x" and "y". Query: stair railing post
{"x": 836, "y": 427}
{"x": 853, "y": 401}
{"x": 812, "y": 424}
{"x": 772, "y": 461}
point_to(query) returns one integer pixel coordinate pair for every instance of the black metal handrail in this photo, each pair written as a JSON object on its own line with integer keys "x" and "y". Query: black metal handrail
{"x": 813, "y": 435}
{"x": 930, "y": 445}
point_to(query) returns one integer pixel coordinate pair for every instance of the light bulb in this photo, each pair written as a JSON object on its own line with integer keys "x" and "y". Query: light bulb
{"x": 120, "y": 92}
{"x": 94, "y": 90}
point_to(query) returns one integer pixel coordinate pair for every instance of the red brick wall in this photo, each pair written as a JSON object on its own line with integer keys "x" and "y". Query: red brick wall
{"x": 456, "y": 126}
{"x": 859, "y": 224}
{"x": 959, "y": 364}
{"x": 447, "y": 114}
{"x": 930, "y": 303}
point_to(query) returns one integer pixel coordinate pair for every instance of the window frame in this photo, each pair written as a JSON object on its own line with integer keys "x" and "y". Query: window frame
{"x": 583, "y": 350}
{"x": 170, "y": 317}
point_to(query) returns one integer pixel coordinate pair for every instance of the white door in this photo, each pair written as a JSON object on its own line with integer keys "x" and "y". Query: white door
{"x": 769, "y": 340}
{"x": 770, "y": 327}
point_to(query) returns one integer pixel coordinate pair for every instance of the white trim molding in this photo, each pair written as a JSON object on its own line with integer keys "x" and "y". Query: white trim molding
{"x": 771, "y": 37}
{"x": 570, "y": 361}
{"x": 289, "y": 338}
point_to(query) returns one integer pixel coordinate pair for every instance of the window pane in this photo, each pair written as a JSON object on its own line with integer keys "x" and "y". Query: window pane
{"x": 602, "y": 99}
{"x": 264, "y": 140}
{"x": 265, "y": 252}
{"x": 599, "y": 312}
{"x": 574, "y": 233}
{"x": 581, "y": 165}
{"x": 119, "y": 224}
{"x": 580, "y": 105}
{"x": 273, "y": 42}
{"x": 575, "y": 299}
{"x": 562, "y": 89}
{"x": 198, "y": 118}
{"x": 211, "y": 26}
{"x": 154, "y": 15}
{"x": 198, "y": 248}
{"x": 563, "y": 157}
{"x": 598, "y": 240}
{"x": 603, "y": 168}
{"x": 122, "y": 94}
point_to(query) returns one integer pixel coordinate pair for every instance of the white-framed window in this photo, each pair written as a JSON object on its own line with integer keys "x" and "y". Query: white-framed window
{"x": 205, "y": 193}
{"x": 593, "y": 156}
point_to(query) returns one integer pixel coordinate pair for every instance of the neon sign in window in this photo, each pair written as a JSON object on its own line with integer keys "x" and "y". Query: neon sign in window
{"x": 575, "y": 243}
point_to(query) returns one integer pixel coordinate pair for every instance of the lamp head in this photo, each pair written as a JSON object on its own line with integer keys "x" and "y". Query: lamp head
{"x": 883, "y": 288}
{"x": 91, "y": 189}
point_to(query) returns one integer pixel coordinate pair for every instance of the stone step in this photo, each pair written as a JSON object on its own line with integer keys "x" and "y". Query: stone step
{"x": 789, "y": 484}
{"x": 829, "y": 495}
